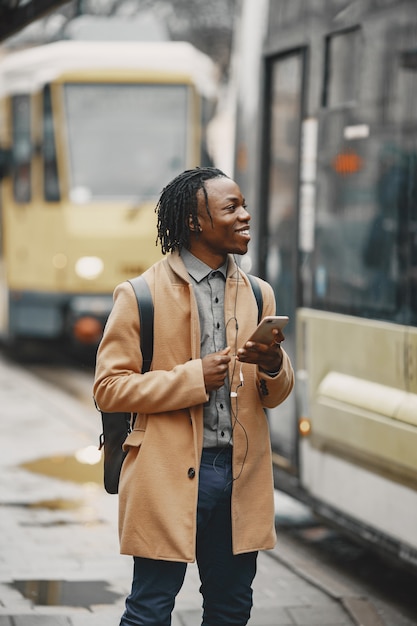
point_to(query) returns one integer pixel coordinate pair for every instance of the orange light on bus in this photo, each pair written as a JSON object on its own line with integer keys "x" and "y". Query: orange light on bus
{"x": 304, "y": 426}
{"x": 346, "y": 163}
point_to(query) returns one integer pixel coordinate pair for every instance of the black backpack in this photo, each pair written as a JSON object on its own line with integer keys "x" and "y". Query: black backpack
{"x": 117, "y": 426}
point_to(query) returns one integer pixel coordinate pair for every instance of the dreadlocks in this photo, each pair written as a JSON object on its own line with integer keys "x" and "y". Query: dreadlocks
{"x": 178, "y": 202}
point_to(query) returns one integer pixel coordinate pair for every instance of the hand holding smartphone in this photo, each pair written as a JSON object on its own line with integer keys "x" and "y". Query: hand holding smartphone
{"x": 263, "y": 332}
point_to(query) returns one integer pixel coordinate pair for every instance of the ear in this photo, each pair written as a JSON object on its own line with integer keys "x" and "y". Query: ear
{"x": 192, "y": 226}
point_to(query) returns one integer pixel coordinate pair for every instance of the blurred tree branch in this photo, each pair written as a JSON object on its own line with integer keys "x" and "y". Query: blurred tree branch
{"x": 208, "y": 25}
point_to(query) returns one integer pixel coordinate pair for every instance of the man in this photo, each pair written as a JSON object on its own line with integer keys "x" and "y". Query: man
{"x": 197, "y": 481}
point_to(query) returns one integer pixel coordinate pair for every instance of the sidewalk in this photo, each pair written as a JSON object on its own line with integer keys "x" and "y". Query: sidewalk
{"x": 59, "y": 557}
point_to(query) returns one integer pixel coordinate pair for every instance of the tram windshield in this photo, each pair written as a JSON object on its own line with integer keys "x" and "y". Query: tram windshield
{"x": 124, "y": 139}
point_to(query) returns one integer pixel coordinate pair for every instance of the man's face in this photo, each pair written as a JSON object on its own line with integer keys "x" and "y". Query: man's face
{"x": 226, "y": 229}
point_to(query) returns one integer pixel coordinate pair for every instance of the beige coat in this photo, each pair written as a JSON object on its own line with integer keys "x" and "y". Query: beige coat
{"x": 158, "y": 487}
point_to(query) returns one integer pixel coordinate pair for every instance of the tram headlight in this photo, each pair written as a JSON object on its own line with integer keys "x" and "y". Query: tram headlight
{"x": 89, "y": 267}
{"x": 304, "y": 426}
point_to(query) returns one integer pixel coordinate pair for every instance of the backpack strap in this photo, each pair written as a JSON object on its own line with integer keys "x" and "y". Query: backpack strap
{"x": 145, "y": 307}
{"x": 257, "y": 293}
{"x": 116, "y": 426}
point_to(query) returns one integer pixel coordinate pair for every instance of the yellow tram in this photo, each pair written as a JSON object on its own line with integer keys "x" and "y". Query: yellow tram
{"x": 89, "y": 134}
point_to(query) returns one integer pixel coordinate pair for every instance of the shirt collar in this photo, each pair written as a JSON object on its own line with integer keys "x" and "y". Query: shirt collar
{"x": 199, "y": 270}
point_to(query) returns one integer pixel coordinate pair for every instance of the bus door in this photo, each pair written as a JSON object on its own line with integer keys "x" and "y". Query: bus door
{"x": 279, "y": 222}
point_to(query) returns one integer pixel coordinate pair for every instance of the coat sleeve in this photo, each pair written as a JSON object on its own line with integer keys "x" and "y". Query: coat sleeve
{"x": 119, "y": 384}
{"x": 274, "y": 389}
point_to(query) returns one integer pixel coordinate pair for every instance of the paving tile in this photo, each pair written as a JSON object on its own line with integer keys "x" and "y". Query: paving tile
{"x": 107, "y": 617}
{"x": 273, "y": 616}
{"x": 325, "y": 615}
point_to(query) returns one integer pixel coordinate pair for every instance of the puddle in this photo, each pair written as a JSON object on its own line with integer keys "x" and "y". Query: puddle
{"x": 56, "y": 504}
{"x": 85, "y": 466}
{"x": 80, "y": 593}
{"x": 60, "y": 505}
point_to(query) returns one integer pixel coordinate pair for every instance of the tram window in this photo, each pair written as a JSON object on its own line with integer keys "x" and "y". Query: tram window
{"x": 125, "y": 138}
{"x": 22, "y": 148}
{"x": 407, "y": 86}
{"x": 50, "y": 169}
{"x": 342, "y": 58}
{"x": 365, "y": 258}
{"x": 281, "y": 231}
{"x": 402, "y": 89}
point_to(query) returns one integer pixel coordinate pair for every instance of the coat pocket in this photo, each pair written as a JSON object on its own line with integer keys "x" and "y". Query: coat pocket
{"x": 134, "y": 439}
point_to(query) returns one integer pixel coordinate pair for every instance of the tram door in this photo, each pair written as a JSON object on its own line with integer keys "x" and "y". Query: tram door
{"x": 278, "y": 256}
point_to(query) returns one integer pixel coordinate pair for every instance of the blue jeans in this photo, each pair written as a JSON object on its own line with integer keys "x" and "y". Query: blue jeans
{"x": 226, "y": 579}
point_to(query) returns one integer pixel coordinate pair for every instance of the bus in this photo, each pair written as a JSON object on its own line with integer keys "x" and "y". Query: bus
{"x": 90, "y": 132}
{"x": 326, "y": 155}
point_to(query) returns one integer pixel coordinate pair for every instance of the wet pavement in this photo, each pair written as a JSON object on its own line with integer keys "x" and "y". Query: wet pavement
{"x": 59, "y": 558}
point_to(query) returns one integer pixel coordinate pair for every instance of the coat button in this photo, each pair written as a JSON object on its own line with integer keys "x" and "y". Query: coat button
{"x": 191, "y": 472}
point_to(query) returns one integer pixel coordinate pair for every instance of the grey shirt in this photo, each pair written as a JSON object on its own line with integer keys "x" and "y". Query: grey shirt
{"x": 209, "y": 287}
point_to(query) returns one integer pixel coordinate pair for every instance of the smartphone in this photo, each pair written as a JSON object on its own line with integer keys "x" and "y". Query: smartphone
{"x": 263, "y": 332}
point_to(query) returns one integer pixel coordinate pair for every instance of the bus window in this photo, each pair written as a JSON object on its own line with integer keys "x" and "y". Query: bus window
{"x": 124, "y": 139}
{"x": 365, "y": 259}
{"x": 403, "y": 89}
{"x": 50, "y": 170}
{"x": 355, "y": 261}
{"x": 22, "y": 148}
{"x": 342, "y": 59}
{"x": 281, "y": 221}
{"x": 404, "y": 113}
